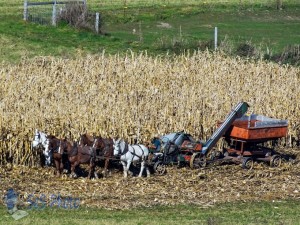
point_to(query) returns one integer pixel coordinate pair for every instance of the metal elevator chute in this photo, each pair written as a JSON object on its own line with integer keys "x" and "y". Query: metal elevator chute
{"x": 238, "y": 111}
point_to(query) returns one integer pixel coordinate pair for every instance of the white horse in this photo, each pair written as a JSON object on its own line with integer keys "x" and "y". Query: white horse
{"x": 40, "y": 139}
{"x": 131, "y": 153}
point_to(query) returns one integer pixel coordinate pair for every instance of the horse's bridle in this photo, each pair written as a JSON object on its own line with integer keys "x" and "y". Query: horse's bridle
{"x": 39, "y": 141}
{"x": 39, "y": 135}
{"x": 125, "y": 149}
{"x": 120, "y": 150}
{"x": 61, "y": 146}
{"x": 94, "y": 144}
{"x": 80, "y": 143}
{"x": 104, "y": 146}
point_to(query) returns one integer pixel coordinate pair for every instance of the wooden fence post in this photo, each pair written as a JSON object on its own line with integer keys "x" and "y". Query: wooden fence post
{"x": 54, "y": 14}
{"x": 25, "y": 17}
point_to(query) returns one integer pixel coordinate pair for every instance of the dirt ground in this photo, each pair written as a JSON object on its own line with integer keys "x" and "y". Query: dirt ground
{"x": 204, "y": 187}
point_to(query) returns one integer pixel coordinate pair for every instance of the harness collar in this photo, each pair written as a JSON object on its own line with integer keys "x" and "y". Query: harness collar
{"x": 126, "y": 149}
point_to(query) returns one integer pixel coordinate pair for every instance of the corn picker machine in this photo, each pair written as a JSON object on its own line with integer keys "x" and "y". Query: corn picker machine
{"x": 244, "y": 140}
{"x": 246, "y": 137}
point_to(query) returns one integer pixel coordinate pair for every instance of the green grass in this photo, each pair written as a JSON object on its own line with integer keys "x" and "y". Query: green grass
{"x": 284, "y": 212}
{"x": 191, "y": 27}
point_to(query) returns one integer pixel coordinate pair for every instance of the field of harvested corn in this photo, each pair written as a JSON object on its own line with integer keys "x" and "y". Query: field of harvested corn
{"x": 137, "y": 96}
{"x": 205, "y": 187}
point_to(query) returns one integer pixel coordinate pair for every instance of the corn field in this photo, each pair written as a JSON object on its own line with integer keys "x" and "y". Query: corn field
{"x": 137, "y": 96}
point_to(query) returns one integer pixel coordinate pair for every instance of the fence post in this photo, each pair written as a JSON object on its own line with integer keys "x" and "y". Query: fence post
{"x": 54, "y": 14}
{"x": 97, "y": 23}
{"x": 25, "y": 17}
{"x": 216, "y": 38}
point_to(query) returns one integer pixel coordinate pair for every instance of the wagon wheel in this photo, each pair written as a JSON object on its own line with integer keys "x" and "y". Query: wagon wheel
{"x": 247, "y": 163}
{"x": 159, "y": 168}
{"x": 275, "y": 161}
{"x": 197, "y": 161}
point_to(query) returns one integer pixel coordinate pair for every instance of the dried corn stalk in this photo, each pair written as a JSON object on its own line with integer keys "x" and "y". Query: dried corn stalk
{"x": 137, "y": 96}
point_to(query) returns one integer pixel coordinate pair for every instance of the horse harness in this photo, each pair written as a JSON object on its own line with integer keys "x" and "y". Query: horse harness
{"x": 74, "y": 150}
{"x": 55, "y": 149}
{"x": 102, "y": 149}
{"x": 126, "y": 149}
{"x": 106, "y": 148}
{"x": 41, "y": 143}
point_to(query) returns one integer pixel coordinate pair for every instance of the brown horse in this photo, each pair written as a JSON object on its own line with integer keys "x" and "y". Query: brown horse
{"x": 86, "y": 139}
{"x": 52, "y": 148}
{"x": 78, "y": 154}
{"x": 104, "y": 150}
{"x": 103, "y": 146}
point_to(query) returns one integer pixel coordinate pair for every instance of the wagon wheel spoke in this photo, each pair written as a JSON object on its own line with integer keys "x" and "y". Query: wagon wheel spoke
{"x": 159, "y": 168}
{"x": 197, "y": 161}
{"x": 247, "y": 163}
{"x": 275, "y": 161}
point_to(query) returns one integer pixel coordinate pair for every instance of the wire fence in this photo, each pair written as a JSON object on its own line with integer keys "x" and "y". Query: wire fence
{"x": 46, "y": 13}
{"x": 41, "y": 14}
{"x": 75, "y": 12}
{"x": 130, "y": 13}
{"x": 116, "y": 4}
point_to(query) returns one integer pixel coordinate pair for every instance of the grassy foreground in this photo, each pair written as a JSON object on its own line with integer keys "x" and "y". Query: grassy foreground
{"x": 285, "y": 212}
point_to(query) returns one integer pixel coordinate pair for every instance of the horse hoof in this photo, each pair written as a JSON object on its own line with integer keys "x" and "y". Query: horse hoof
{"x": 73, "y": 175}
{"x": 104, "y": 173}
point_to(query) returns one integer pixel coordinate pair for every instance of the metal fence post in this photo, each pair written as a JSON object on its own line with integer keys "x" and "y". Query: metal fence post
{"x": 25, "y": 17}
{"x": 97, "y": 23}
{"x": 54, "y": 14}
{"x": 216, "y": 38}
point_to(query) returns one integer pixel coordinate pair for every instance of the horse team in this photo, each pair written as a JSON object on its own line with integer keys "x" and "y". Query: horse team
{"x": 89, "y": 150}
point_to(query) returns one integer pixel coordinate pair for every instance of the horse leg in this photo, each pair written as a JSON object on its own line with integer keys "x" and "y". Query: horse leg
{"x": 96, "y": 174}
{"x": 92, "y": 167}
{"x": 147, "y": 169}
{"x": 124, "y": 169}
{"x": 57, "y": 167}
{"x": 142, "y": 168}
{"x": 74, "y": 162}
{"x": 61, "y": 166}
{"x": 105, "y": 170}
{"x": 76, "y": 165}
{"x": 72, "y": 170}
{"x": 66, "y": 164}
{"x": 93, "y": 170}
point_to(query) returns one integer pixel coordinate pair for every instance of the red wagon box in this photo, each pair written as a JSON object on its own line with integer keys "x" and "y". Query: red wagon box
{"x": 256, "y": 128}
